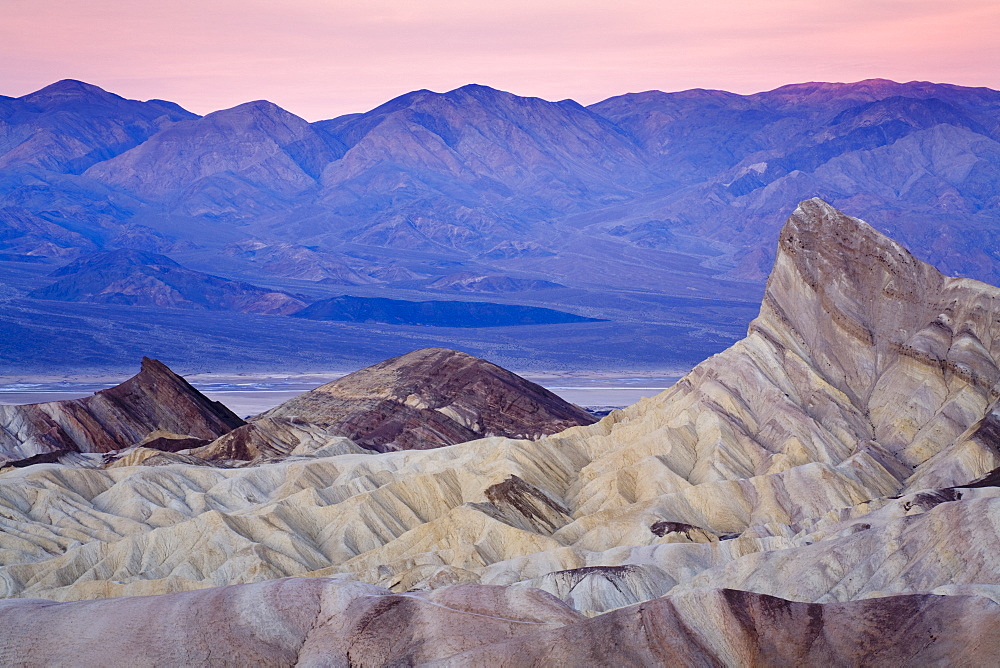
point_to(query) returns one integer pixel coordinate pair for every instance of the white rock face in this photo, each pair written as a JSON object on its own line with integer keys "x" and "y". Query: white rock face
{"x": 828, "y": 457}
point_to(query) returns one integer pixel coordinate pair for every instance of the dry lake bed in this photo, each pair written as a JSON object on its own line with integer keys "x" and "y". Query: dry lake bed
{"x": 250, "y": 394}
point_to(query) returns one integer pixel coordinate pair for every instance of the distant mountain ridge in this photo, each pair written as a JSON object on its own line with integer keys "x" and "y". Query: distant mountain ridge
{"x": 149, "y": 279}
{"x": 458, "y": 170}
{"x": 625, "y": 202}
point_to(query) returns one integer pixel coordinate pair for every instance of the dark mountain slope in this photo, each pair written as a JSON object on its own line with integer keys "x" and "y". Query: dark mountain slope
{"x": 149, "y": 279}
{"x": 430, "y": 398}
{"x": 434, "y": 313}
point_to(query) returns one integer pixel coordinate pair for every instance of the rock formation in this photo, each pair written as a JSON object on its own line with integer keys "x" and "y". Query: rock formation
{"x": 425, "y": 399}
{"x": 154, "y": 400}
{"x": 824, "y": 490}
{"x": 267, "y": 439}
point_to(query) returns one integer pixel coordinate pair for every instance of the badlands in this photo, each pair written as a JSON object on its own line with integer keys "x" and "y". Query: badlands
{"x": 823, "y": 492}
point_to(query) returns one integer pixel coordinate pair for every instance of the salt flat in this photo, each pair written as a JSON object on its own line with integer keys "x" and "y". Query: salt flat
{"x": 251, "y": 394}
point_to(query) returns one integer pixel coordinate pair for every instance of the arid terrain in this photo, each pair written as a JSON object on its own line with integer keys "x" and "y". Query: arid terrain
{"x": 824, "y": 491}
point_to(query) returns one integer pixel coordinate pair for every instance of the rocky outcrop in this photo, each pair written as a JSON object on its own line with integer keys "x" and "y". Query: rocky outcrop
{"x": 156, "y": 399}
{"x": 430, "y": 398}
{"x": 267, "y": 439}
{"x": 316, "y": 621}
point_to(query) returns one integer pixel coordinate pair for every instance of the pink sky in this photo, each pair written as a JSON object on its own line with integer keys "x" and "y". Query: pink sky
{"x": 323, "y": 58}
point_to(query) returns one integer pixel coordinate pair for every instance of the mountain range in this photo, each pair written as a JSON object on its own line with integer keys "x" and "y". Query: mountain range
{"x": 635, "y": 210}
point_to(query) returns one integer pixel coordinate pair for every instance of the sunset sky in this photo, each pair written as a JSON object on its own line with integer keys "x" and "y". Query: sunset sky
{"x": 323, "y": 58}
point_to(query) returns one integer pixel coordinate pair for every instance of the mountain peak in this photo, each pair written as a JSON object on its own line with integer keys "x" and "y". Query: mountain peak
{"x": 845, "y": 264}
{"x": 819, "y": 238}
{"x": 395, "y": 104}
{"x": 849, "y": 298}
{"x": 255, "y": 108}
{"x": 69, "y": 94}
{"x": 155, "y": 399}
{"x": 154, "y": 367}
{"x": 69, "y": 90}
{"x": 475, "y": 88}
{"x": 487, "y": 95}
{"x": 260, "y": 105}
{"x": 433, "y": 397}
